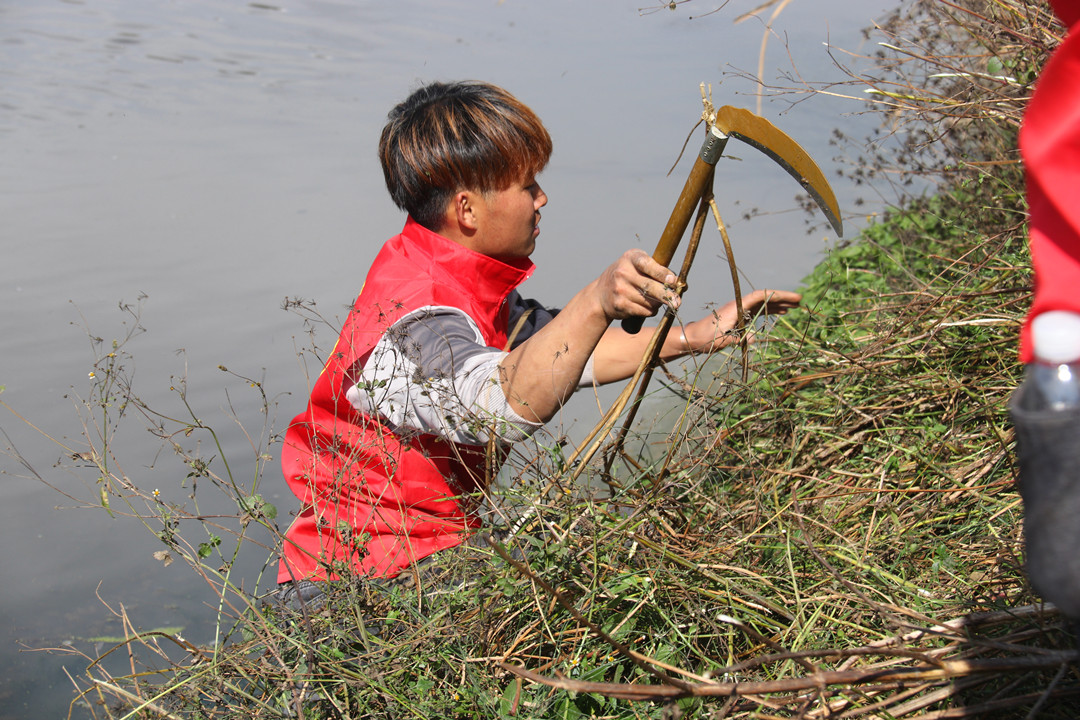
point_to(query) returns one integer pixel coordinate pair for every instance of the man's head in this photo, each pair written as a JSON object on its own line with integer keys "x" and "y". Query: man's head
{"x": 447, "y": 137}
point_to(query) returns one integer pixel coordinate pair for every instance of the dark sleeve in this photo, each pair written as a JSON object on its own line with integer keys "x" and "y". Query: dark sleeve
{"x": 535, "y": 317}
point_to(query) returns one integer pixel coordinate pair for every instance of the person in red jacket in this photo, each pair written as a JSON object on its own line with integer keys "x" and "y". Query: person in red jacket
{"x": 1048, "y": 441}
{"x": 425, "y": 378}
{"x": 1050, "y": 146}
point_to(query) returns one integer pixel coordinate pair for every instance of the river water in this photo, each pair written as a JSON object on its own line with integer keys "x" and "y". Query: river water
{"x": 202, "y": 160}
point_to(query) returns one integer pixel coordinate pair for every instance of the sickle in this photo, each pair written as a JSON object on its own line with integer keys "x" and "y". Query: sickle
{"x": 762, "y": 134}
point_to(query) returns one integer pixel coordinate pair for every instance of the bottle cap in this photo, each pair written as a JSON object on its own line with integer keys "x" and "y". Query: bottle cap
{"x": 1056, "y": 337}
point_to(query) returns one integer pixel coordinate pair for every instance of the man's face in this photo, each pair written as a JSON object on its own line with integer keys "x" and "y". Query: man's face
{"x": 508, "y": 220}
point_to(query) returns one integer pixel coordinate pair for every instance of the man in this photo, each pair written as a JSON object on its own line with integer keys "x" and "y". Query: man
{"x": 441, "y": 358}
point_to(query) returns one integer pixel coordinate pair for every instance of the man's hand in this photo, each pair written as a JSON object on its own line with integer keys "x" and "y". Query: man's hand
{"x": 718, "y": 329}
{"x": 636, "y": 286}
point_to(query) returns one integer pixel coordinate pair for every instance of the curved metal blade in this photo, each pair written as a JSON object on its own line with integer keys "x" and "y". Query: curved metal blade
{"x": 766, "y": 137}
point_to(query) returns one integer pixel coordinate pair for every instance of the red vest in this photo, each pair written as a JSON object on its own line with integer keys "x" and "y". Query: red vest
{"x": 373, "y": 502}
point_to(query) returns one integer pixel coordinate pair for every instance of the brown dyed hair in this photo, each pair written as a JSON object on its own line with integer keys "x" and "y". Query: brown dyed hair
{"x": 447, "y": 137}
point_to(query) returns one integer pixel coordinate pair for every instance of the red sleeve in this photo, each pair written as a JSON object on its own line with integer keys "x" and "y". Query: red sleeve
{"x": 1050, "y": 145}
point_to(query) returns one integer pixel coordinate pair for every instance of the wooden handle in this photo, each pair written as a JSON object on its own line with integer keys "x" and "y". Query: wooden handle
{"x": 704, "y": 165}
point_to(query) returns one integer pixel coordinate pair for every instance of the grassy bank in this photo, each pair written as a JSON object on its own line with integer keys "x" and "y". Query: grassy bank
{"x": 837, "y": 536}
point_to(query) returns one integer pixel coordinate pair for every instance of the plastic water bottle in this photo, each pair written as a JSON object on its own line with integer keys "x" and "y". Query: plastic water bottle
{"x": 1056, "y": 370}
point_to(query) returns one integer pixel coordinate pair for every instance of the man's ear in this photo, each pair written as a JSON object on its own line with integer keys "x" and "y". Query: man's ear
{"x": 463, "y": 211}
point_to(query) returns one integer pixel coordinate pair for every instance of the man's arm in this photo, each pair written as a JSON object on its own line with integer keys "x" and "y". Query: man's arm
{"x": 619, "y": 353}
{"x": 540, "y": 375}
{"x": 543, "y": 372}
{"x": 432, "y": 373}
